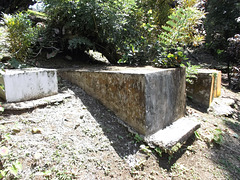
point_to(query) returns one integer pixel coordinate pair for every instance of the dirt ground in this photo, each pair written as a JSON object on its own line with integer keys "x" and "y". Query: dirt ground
{"x": 81, "y": 139}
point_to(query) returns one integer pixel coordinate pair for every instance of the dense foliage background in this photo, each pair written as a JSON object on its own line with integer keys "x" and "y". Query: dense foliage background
{"x": 11, "y": 6}
{"x": 134, "y": 32}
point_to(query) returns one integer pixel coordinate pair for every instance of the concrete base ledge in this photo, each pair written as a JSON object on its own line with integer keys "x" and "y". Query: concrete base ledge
{"x": 147, "y": 99}
{"x": 31, "y": 104}
{"x": 178, "y": 132}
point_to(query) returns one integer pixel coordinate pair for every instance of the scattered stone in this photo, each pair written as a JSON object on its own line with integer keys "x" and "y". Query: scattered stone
{"x": 37, "y": 156}
{"x": 235, "y": 135}
{"x": 68, "y": 58}
{"x": 222, "y": 107}
{"x": 76, "y": 126}
{"x": 16, "y": 130}
{"x": 6, "y": 122}
{"x": 37, "y": 130}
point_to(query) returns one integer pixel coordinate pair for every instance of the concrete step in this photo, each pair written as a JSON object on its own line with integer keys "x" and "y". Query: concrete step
{"x": 177, "y": 132}
{"x": 31, "y": 104}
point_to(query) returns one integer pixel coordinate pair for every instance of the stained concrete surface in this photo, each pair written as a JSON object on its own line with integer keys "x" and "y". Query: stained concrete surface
{"x": 205, "y": 87}
{"x": 147, "y": 99}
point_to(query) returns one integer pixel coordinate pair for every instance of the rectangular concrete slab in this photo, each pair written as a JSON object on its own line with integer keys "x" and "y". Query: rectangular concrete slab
{"x": 178, "y": 132}
{"x": 27, "y": 84}
{"x": 147, "y": 98}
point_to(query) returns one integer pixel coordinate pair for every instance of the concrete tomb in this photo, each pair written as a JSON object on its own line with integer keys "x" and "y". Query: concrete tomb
{"x": 27, "y": 84}
{"x": 147, "y": 99}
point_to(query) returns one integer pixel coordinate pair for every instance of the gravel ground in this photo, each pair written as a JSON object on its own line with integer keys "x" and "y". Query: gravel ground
{"x": 77, "y": 139}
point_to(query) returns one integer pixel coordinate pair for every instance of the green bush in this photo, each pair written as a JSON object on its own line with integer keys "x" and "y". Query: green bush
{"x": 104, "y": 26}
{"x": 181, "y": 31}
{"x": 21, "y": 34}
{"x": 125, "y": 31}
{"x": 220, "y": 24}
{"x": 161, "y": 9}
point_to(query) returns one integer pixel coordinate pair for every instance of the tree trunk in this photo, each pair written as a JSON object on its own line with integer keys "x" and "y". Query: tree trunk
{"x": 229, "y": 74}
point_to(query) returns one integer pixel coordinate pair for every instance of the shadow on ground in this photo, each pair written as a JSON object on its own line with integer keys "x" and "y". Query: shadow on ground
{"x": 227, "y": 156}
{"x": 226, "y": 153}
{"x": 122, "y": 140}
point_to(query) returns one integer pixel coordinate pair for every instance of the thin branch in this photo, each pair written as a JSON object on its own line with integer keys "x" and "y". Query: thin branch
{"x": 38, "y": 53}
{"x": 52, "y": 47}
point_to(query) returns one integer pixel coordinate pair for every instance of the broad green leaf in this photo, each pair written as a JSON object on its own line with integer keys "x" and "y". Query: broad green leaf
{"x": 16, "y": 167}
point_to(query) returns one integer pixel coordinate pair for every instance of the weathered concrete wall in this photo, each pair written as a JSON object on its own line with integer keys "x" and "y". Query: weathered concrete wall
{"x": 165, "y": 98}
{"x": 27, "y": 84}
{"x": 147, "y": 99}
{"x": 205, "y": 87}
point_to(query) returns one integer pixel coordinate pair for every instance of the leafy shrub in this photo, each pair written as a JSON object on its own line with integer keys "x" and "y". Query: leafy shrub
{"x": 21, "y": 34}
{"x": 143, "y": 49}
{"x": 234, "y": 47}
{"x": 218, "y": 136}
{"x": 104, "y": 26}
{"x": 181, "y": 31}
{"x": 191, "y": 72}
{"x": 125, "y": 31}
{"x": 160, "y": 10}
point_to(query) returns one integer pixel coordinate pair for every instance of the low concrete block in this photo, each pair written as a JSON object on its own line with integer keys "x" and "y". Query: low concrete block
{"x": 178, "y": 132}
{"x": 147, "y": 99}
{"x": 28, "y": 84}
{"x": 206, "y": 87}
